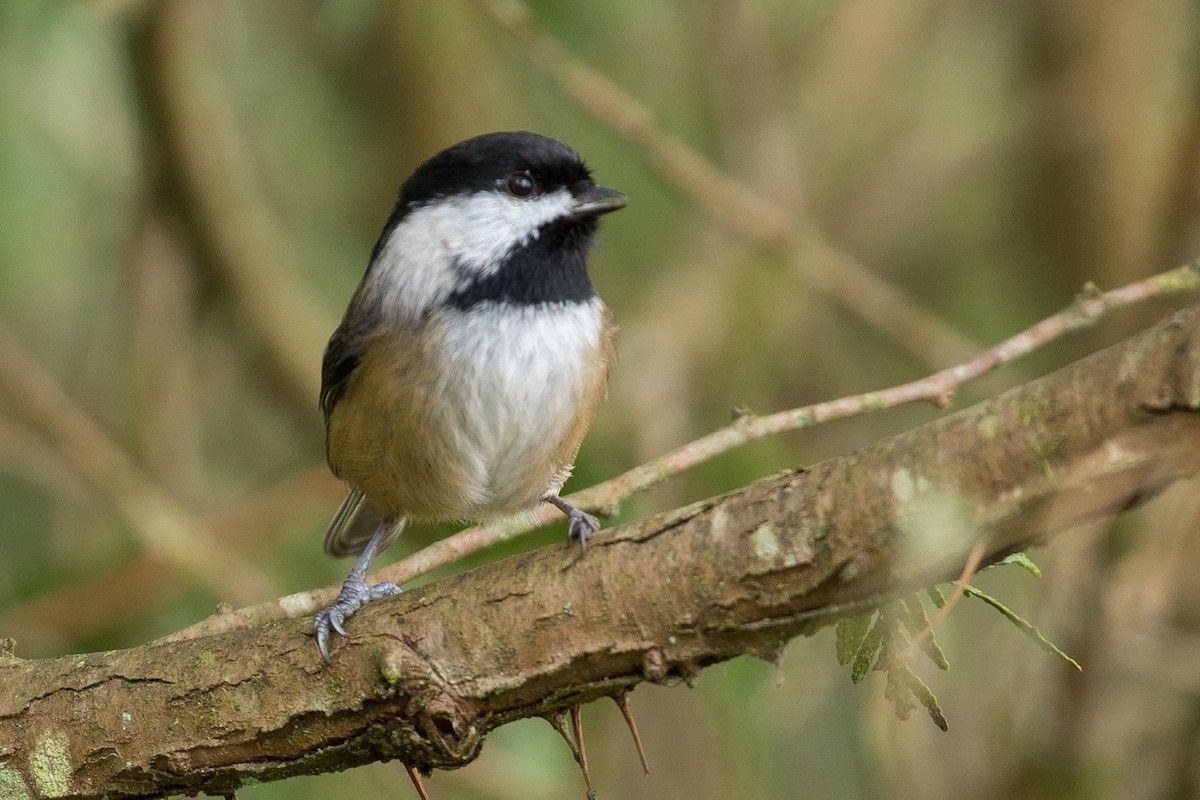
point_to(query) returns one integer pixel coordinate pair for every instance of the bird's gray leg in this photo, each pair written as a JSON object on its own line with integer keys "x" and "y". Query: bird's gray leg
{"x": 580, "y": 525}
{"x": 355, "y": 593}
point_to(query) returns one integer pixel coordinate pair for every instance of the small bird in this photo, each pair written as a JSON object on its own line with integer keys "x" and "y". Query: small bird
{"x": 472, "y": 357}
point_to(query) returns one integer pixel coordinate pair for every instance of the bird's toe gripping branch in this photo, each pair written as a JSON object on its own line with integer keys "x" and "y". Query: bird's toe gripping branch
{"x": 355, "y": 594}
{"x": 580, "y": 524}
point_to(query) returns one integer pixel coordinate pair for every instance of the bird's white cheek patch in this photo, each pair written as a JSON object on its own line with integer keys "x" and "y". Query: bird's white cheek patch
{"x": 479, "y": 229}
{"x": 446, "y": 244}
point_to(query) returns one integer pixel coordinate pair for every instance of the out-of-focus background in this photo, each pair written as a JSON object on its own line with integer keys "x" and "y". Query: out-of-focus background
{"x": 826, "y": 198}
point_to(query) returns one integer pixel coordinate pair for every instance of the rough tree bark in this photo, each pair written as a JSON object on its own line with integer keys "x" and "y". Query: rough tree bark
{"x": 424, "y": 676}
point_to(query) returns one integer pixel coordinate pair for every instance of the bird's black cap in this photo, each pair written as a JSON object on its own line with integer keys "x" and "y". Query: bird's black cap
{"x": 478, "y": 163}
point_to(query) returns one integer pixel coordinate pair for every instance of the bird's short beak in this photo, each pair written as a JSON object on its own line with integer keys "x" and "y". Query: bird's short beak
{"x": 596, "y": 200}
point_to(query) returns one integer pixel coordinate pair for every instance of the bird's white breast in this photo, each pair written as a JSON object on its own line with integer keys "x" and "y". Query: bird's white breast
{"x": 516, "y": 376}
{"x": 479, "y": 414}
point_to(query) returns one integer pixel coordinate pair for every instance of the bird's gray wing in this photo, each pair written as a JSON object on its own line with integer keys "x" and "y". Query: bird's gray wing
{"x": 355, "y": 523}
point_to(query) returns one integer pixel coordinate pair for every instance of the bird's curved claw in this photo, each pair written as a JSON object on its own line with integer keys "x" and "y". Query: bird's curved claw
{"x": 355, "y": 594}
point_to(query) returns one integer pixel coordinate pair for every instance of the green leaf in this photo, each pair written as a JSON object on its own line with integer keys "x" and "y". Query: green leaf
{"x": 866, "y": 653}
{"x": 1027, "y": 628}
{"x": 891, "y": 627}
{"x": 917, "y": 622}
{"x": 935, "y": 594}
{"x": 1021, "y": 560}
{"x": 850, "y": 634}
{"x": 898, "y": 693}
{"x": 925, "y": 697}
{"x": 883, "y": 645}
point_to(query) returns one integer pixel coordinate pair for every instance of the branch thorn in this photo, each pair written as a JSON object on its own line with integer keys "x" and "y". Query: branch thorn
{"x": 558, "y": 721}
{"x": 622, "y": 701}
{"x": 581, "y": 753}
{"x": 572, "y": 733}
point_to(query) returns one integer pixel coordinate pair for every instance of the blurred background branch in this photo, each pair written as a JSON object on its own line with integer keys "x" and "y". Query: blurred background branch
{"x": 748, "y": 215}
{"x": 209, "y": 181}
{"x": 165, "y": 530}
{"x": 826, "y": 198}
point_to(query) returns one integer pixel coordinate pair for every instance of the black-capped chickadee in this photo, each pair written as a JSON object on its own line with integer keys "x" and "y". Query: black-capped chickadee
{"x": 471, "y": 359}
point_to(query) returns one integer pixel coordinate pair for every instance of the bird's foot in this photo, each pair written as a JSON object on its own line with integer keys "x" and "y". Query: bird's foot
{"x": 581, "y": 525}
{"x": 355, "y": 594}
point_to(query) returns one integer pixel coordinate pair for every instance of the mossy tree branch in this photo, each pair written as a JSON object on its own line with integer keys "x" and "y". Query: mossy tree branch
{"x": 423, "y": 677}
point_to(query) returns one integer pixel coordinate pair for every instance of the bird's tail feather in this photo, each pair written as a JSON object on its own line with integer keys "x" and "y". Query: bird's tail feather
{"x": 355, "y": 523}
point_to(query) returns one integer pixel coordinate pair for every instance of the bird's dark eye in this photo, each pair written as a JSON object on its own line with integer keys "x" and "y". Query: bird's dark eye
{"x": 520, "y": 184}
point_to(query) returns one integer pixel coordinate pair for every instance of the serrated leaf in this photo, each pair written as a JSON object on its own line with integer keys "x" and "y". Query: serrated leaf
{"x": 851, "y": 632}
{"x": 917, "y": 622}
{"x": 912, "y": 614}
{"x": 926, "y": 698}
{"x": 866, "y": 653}
{"x": 1026, "y": 627}
{"x": 939, "y": 718}
{"x": 885, "y": 647}
{"x": 935, "y": 594}
{"x": 1021, "y": 560}
{"x": 898, "y": 692}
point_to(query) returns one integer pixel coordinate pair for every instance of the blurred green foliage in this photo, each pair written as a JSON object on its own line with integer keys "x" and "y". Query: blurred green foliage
{"x": 189, "y": 192}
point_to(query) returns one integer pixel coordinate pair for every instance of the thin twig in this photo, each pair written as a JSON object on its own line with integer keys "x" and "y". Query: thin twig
{"x": 417, "y": 783}
{"x": 938, "y": 389}
{"x": 974, "y": 558}
{"x": 606, "y": 497}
